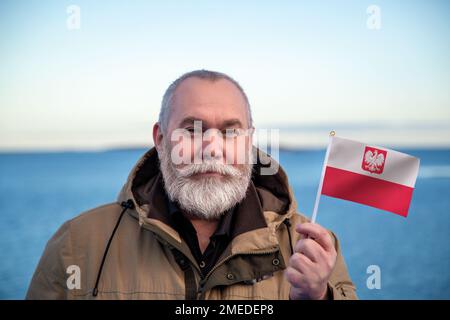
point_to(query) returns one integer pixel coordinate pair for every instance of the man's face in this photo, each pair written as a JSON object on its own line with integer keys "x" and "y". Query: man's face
{"x": 216, "y": 167}
{"x": 219, "y": 106}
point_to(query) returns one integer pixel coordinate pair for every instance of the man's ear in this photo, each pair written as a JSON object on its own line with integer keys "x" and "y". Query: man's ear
{"x": 157, "y": 135}
{"x": 252, "y": 134}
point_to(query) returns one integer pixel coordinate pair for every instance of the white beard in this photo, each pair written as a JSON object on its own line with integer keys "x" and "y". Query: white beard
{"x": 204, "y": 197}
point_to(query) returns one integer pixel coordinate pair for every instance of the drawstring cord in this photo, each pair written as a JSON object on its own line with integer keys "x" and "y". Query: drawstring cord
{"x": 126, "y": 205}
{"x": 287, "y": 222}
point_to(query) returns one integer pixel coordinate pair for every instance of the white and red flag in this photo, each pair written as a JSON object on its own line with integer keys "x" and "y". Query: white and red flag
{"x": 373, "y": 176}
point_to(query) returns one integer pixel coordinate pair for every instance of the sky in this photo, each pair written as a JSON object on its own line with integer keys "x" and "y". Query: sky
{"x": 307, "y": 67}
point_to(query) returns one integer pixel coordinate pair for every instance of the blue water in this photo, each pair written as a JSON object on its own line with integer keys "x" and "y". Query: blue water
{"x": 39, "y": 191}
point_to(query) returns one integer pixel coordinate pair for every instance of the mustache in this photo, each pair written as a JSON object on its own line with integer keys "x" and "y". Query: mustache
{"x": 208, "y": 166}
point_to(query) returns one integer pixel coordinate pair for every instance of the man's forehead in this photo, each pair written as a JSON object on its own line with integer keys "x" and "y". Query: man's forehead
{"x": 215, "y": 101}
{"x": 204, "y": 91}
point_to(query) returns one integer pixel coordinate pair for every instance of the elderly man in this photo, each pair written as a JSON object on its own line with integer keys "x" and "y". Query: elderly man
{"x": 198, "y": 218}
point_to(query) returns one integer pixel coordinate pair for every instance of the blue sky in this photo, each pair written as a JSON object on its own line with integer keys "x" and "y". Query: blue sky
{"x": 302, "y": 63}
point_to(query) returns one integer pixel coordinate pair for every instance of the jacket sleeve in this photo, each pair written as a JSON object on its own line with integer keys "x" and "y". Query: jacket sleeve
{"x": 340, "y": 286}
{"x": 49, "y": 279}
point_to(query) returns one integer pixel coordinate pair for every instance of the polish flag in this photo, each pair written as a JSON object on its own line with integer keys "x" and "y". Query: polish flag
{"x": 373, "y": 176}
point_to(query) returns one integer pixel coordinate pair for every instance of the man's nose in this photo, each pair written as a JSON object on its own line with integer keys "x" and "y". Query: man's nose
{"x": 213, "y": 145}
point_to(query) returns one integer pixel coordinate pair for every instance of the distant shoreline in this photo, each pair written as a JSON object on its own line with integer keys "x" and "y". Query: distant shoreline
{"x": 289, "y": 137}
{"x": 144, "y": 148}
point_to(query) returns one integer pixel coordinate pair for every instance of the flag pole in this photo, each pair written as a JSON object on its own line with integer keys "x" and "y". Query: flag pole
{"x": 319, "y": 189}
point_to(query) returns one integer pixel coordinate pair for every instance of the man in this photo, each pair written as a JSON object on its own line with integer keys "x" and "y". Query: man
{"x": 199, "y": 217}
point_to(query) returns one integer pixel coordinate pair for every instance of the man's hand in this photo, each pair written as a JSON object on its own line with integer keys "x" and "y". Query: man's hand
{"x": 311, "y": 264}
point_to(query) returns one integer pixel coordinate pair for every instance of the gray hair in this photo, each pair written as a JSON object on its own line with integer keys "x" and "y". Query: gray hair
{"x": 201, "y": 74}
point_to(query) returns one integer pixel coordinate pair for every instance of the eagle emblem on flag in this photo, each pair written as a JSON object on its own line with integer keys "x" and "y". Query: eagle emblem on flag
{"x": 373, "y": 160}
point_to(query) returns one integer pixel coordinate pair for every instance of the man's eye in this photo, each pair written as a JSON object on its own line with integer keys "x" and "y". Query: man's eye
{"x": 191, "y": 130}
{"x": 232, "y": 132}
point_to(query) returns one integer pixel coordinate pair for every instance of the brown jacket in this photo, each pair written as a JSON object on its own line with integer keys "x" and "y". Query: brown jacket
{"x": 147, "y": 259}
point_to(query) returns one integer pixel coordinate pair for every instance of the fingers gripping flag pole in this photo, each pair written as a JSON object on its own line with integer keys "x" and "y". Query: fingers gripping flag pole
{"x": 319, "y": 189}
{"x": 372, "y": 176}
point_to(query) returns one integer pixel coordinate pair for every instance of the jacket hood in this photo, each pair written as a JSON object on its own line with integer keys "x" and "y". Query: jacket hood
{"x": 275, "y": 194}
